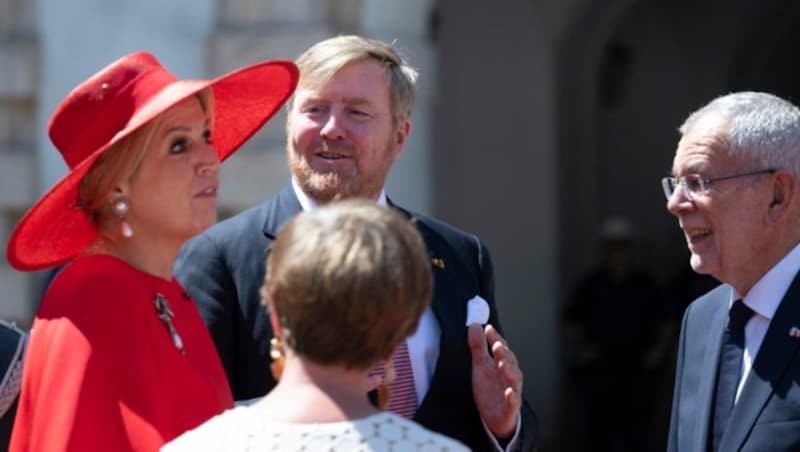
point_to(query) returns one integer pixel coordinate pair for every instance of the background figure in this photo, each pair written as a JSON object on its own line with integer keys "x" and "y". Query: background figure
{"x": 13, "y": 342}
{"x": 619, "y": 334}
{"x": 736, "y": 195}
{"x": 348, "y": 123}
{"x": 352, "y": 266}
{"x": 119, "y": 358}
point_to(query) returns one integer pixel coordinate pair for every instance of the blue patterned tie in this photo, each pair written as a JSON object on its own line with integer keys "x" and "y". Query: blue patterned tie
{"x": 730, "y": 366}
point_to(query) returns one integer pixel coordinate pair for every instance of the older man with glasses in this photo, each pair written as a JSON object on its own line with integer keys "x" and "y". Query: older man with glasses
{"x": 735, "y": 193}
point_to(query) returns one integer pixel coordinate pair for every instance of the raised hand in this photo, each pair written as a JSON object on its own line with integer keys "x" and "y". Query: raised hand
{"x": 496, "y": 380}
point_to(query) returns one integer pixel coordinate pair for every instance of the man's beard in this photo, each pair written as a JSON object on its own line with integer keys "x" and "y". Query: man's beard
{"x": 322, "y": 187}
{"x": 325, "y": 187}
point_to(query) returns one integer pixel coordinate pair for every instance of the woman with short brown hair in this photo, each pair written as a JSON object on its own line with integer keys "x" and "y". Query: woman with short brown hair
{"x": 347, "y": 282}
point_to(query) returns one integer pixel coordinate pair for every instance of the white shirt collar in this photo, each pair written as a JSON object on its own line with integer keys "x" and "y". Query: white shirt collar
{"x": 307, "y": 203}
{"x": 767, "y": 293}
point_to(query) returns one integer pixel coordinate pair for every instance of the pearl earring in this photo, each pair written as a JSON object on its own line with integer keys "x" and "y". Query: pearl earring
{"x": 121, "y": 207}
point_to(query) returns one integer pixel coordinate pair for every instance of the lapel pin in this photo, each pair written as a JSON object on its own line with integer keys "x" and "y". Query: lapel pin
{"x": 794, "y": 332}
{"x": 438, "y": 263}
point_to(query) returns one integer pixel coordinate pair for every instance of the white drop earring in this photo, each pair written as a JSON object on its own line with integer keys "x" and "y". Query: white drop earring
{"x": 121, "y": 207}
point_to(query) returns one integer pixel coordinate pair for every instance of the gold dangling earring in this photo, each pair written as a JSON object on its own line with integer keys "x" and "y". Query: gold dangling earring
{"x": 276, "y": 354}
{"x": 384, "y": 392}
{"x": 121, "y": 207}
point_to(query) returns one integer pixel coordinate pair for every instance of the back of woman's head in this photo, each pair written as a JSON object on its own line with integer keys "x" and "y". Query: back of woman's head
{"x": 348, "y": 281}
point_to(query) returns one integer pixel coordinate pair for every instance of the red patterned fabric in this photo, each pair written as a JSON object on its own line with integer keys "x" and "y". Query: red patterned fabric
{"x": 403, "y": 400}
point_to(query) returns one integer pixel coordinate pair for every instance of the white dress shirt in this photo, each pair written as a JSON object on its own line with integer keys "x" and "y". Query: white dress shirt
{"x": 763, "y": 299}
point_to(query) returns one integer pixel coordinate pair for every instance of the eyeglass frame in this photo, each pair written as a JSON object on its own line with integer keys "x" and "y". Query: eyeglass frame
{"x": 669, "y": 183}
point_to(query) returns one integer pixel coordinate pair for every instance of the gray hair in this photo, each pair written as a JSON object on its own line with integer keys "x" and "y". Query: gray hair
{"x": 761, "y": 127}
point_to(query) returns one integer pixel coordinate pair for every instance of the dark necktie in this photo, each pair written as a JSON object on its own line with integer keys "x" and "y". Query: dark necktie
{"x": 730, "y": 366}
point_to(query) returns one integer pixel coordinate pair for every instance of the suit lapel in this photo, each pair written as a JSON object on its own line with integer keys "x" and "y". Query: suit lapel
{"x": 449, "y": 314}
{"x": 449, "y": 305}
{"x": 280, "y": 211}
{"x": 708, "y": 371}
{"x": 775, "y": 354}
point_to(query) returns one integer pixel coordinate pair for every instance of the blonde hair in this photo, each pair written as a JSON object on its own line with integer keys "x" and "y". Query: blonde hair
{"x": 323, "y": 60}
{"x": 121, "y": 162}
{"x": 348, "y": 282}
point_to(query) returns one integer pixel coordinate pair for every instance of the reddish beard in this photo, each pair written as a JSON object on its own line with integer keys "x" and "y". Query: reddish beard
{"x": 324, "y": 187}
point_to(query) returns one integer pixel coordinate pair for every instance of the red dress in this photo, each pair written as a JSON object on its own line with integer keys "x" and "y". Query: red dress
{"x": 102, "y": 372}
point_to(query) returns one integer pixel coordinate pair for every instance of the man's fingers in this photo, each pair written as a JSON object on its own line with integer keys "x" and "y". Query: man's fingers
{"x": 492, "y": 335}
{"x": 477, "y": 344}
{"x": 513, "y": 399}
{"x": 497, "y": 349}
{"x": 511, "y": 374}
{"x": 501, "y": 351}
{"x": 509, "y": 394}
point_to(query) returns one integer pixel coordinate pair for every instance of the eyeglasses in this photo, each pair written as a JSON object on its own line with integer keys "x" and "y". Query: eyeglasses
{"x": 694, "y": 185}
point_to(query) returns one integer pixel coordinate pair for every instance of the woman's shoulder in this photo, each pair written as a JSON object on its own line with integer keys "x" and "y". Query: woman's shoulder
{"x": 243, "y": 428}
{"x": 229, "y": 430}
{"x": 98, "y": 271}
{"x": 388, "y": 431}
{"x": 86, "y": 287}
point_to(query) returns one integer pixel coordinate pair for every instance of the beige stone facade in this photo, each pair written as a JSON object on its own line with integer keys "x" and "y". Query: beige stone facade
{"x": 19, "y": 55}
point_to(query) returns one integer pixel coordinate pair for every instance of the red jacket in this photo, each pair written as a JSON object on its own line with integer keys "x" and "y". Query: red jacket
{"x": 102, "y": 371}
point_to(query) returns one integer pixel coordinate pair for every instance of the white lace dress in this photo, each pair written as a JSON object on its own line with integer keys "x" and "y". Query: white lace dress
{"x": 245, "y": 428}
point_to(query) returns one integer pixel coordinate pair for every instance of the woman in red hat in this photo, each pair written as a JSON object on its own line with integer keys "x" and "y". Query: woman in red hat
{"x": 119, "y": 358}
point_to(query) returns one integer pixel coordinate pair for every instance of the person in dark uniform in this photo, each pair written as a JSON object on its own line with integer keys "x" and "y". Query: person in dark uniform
{"x": 616, "y": 321}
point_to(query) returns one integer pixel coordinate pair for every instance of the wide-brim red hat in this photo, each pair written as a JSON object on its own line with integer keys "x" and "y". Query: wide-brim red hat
{"x": 106, "y": 108}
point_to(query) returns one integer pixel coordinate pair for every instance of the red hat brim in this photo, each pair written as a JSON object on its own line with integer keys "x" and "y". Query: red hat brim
{"x": 55, "y": 229}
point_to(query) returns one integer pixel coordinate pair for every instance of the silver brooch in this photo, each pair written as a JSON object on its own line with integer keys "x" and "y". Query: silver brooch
{"x": 166, "y": 315}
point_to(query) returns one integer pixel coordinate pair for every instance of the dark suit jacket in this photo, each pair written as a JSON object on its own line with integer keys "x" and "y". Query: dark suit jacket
{"x": 766, "y": 416}
{"x": 223, "y": 269}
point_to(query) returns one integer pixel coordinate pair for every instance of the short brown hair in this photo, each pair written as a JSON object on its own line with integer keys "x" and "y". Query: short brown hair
{"x": 323, "y": 60}
{"x": 348, "y": 282}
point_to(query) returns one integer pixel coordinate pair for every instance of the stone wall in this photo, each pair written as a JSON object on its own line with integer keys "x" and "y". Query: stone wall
{"x": 19, "y": 54}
